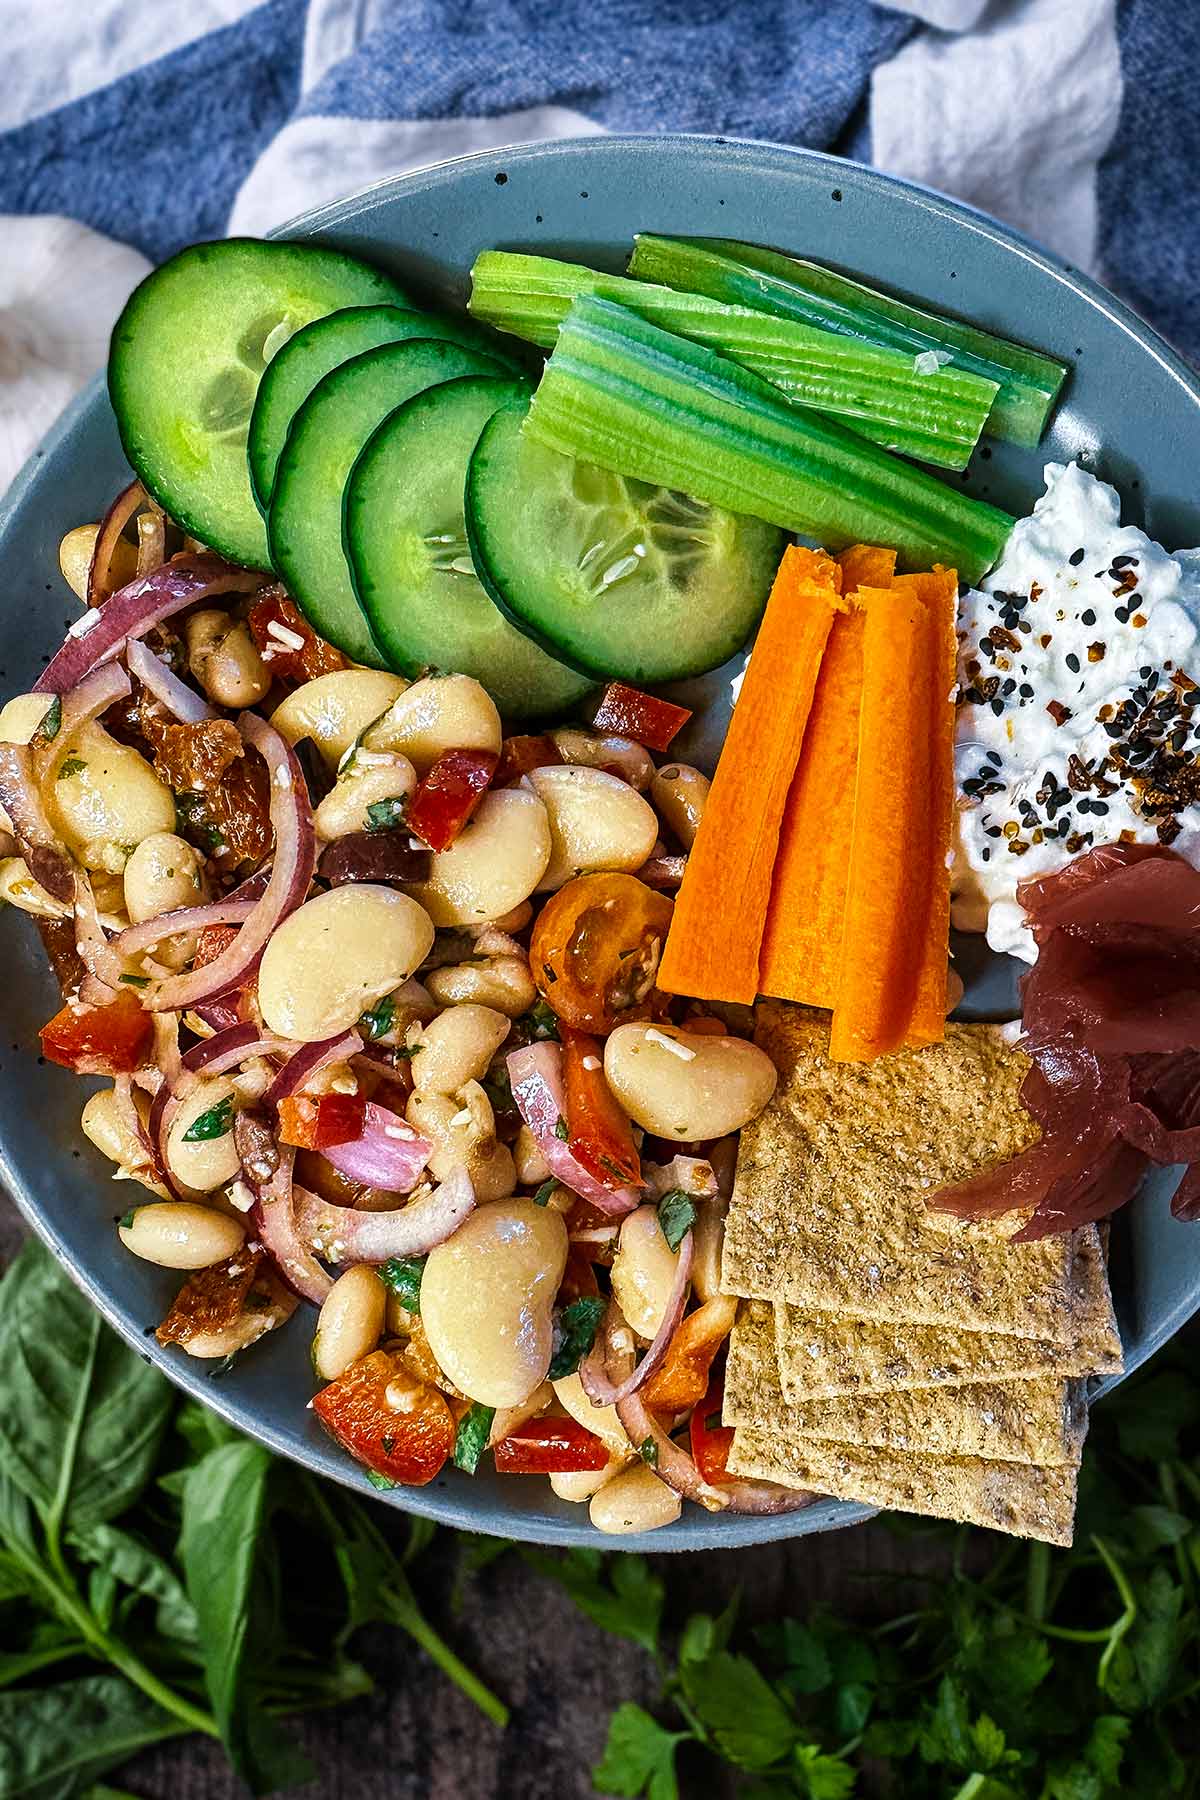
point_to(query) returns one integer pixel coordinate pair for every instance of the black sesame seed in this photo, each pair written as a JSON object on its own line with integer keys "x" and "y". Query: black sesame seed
{"x": 986, "y": 853}
{"x": 1146, "y": 673}
{"x": 1121, "y": 613}
{"x": 997, "y": 707}
{"x": 1088, "y": 617}
{"x": 994, "y": 831}
{"x": 1076, "y": 557}
{"x": 1008, "y": 686}
{"x": 1025, "y": 691}
{"x": 1123, "y": 562}
{"x": 1073, "y": 664}
{"x": 1085, "y": 805}
{"x": 1098, "y": 806}
{"x": 995, "y": 758}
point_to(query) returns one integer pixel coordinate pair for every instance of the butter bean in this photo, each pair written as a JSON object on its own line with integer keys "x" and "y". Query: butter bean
{"x": 439, "y": 712}
{"x": 681, "y": 1085}
{"x": 334, "y": 709}
{"x": 177, "y": 1234}
{"x": 19, "y": 889}
{"x": 643, "y": 1271}
{"x": 456, "y": 1047}
{"x": 602, "y": 1420}
{"x": 486, "y": 1300}
{"x": 225, "y": 660}
{"x": 163, "y": 873}
{"x": 496, "y": 861}
{"x": 21, "y": 716}
{"x": 532, "y": 1167}
{"x": 596, "y": 822}
{"x": 620, "y": 755}
{"x": 103, "y": 798}
{"x": 209, "y": 1162}
{"x": 344, "y": 808}
{"x": 634, "y": 1500}
{"x": 680, "y": 794}
{"x": 336, "y": 955}
{"x": 501, "y": 982}
{"x": 350, "y": 1322}
{"x": 581, "y": 1484}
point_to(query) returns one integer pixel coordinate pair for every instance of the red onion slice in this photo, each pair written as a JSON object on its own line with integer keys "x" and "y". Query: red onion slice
{"x": 180, "y": 700}
{"x": 48, "y": 859}
{"x": 227, "y": 1050}
{"x": 344, "y": 1235}
{"x": 86, "y": 701}
{"x": 671, "y": 1463}
{"x": 130, "y": 612}
{"x": 598, "y": 1385}
{"x": 112, "y": 525}
{"x": 275, "y": 1221}
{"x": 305, "y": 1063}
{"x": 535, "y": 1072}
{"x": 388, "y": 1154}
{"x": 102, "y": 962}
{"x": 185, "y": 918}
{"x": 291, "y": 873}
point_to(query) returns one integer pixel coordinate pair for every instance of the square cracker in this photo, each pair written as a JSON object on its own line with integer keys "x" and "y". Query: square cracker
{"x": 828, "y": 1208}
{"x": 823, "y": 1356}
{"x": 1006, "y": 1496}
{"x": 1040, "y": 1421}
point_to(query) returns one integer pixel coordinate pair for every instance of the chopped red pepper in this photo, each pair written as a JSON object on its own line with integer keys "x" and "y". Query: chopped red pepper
{"x": 449, "y": 794}
{"x": 282, "y": 655}
{"x": 520, "y": 754}
{"x": 100, "y": 1040}
{"x": 601, "y": 1137}
{"x": 407, "y": 1444}
{"x": 629, "y": 713}
{"x": 682, "y": 1377}
{"x": 214, "y": 941}
{"x": 579, "y": 1278}
{"x": 711, "y": 1441}
{"x": 319, "y": 1121}
{"x": 548, "y": 1446}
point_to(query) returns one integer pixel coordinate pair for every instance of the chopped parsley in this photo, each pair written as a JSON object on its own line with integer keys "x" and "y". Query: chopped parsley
{"x": 560, "y": 1130}
{"x": 211, "y": 1124}
{"x": 542, "y": 1197}
{"x": 382, "y": 1482}
{"x": 676, "y": 1215}
{"x": 470, "y": 1442}
{"x": 126, "y": 1220}
{"x": 378, "y": 1021}
{"x": 578, "y": 1324}
{"x": 648, "y": 1451}
{"x": 51, "y": 723}
{"x": 541, "y": 1021}
{"x": 138, "y": 981}
{"x": 403, "y": 1275}
{"x": 70, "y": 765}
{"x": 385, "y": 815}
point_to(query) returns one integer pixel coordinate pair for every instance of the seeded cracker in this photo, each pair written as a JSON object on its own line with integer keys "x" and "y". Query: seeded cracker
{"x": 823, "y": 1356}
{"x": 1007, "y": 1496}
{"x": 1039, "y": 1421}
{"x": 828, "y": 1208}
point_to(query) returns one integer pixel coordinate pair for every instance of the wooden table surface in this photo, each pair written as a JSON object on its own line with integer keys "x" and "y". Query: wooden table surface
{"x": 416, "y": 1738}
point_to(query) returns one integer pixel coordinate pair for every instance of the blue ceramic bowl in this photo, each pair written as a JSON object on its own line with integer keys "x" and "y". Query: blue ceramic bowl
{"x": 1131, "y": 409}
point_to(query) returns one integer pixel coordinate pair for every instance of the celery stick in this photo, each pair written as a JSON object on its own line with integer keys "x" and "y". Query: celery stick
{"x": 791, "y": 287}
{"x": 623, "y": 393}
{"x": 935, "y": 416}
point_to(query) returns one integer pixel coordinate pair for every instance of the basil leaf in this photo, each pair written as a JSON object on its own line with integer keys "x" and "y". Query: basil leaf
{"x": 386, "y": 815}
{"x": 55, "y": 1739}
{"x": 578, "y": 1324}
{"x": 135, "y": 1565}
{"x": 224, "y": 1506}
{"x": 471, "y": 1439}
{"x": 676, "y": 1215}
{"x": 70, "y": 765}
{"x": 378, "y": 1021}
{"x": 214, "y": 1123}
{"x": 83, "y": 1416}
{"x": 403, "y": 1275}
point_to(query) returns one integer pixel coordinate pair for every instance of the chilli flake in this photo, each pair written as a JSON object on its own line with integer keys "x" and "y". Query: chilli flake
{"x": 682, "y": 1051}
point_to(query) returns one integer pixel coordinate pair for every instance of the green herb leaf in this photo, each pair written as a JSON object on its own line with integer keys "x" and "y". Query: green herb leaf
{"x": 621, "y": 1594}
{"x": 578, "y": 1324}
{"x": 542, "y": 1196}
{"x": 386, "y": 815}
{"x": 384, "y": 1483}
{"x": 214, "y": 1123}
{"x": 70, "y": 765}
{"x": 136, "y": 981}
{"x": 648, "y": 1451}
{"x": 676, "y": 1215}
{"x": 403, "y": 1275}
{"x": 378, "y": 1021}
{"x": 821, "y": 1777}
{"x": 83, "y": 1416}
{"x": 224, "y": 1507}
{"x": 54, "y": 1739}
{"x": 51, "y": 723}
{"x": 136, "y": 1566}
{"x": 470, "y": 1440}
{"x": 541, "y": 1021}
{"x": 561, "y": 1131}
{"x": 1152, "y": 1416}
{"x": 639, "y": 1757}
{"x": 750, "y": 1723}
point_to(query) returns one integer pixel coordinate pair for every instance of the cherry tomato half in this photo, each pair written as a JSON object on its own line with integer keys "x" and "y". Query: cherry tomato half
{"x": 596, "y": 948}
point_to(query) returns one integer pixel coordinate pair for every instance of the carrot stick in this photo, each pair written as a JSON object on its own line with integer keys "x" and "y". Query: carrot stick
{"x": 939, "y": 594}
{"x": 712, "y": 950}
{"x": 802, "y": 938}
{"x": 866, "y": 565}
{"x": 889, "y": 887}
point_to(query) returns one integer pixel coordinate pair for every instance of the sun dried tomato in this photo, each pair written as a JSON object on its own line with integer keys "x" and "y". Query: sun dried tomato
{"x": 212, "y": 1300}
{"x": 286, "y": 659}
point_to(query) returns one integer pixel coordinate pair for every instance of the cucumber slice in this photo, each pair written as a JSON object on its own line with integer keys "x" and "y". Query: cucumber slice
{"x": 615, "y": 576}
{"x": 304, "y": 525}
{"x": 407, "y": 543}
{"x": 292, "y": 375}
{"x": 187, "y": 355}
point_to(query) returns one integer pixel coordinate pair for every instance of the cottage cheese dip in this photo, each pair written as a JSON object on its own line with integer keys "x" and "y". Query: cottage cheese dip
{"x": 1079, "y": 713}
